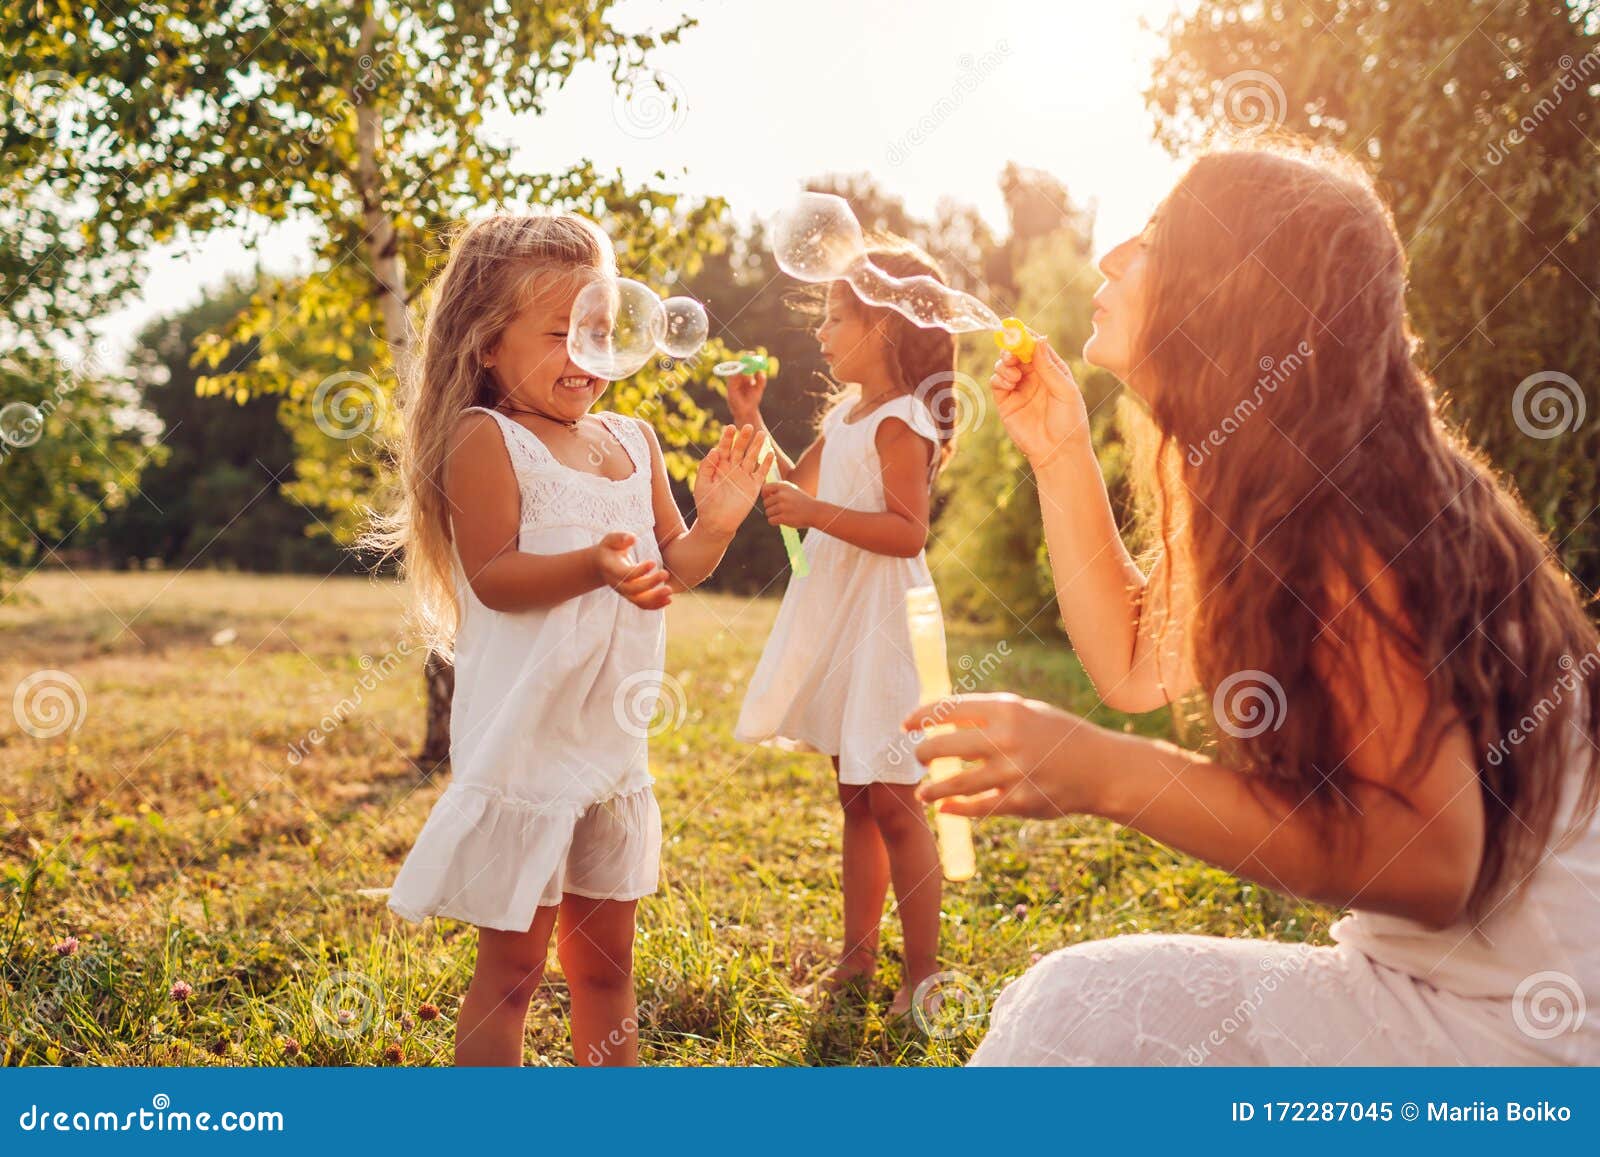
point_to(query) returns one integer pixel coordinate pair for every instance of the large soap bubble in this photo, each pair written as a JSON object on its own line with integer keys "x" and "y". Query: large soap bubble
{"x": 616, "y": 325}
{"x": 687, "y": 327}
{"x": 818, "y": 239}
{"x": 925, "y": 300}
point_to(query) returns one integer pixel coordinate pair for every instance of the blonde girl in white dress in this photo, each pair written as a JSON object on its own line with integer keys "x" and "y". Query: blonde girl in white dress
{"x": 837, "y": 675}
{"x": 542, "y": 543}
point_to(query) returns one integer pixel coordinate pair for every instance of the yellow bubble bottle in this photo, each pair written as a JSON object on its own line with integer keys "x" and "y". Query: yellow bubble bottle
{"x": 927, "y": 650}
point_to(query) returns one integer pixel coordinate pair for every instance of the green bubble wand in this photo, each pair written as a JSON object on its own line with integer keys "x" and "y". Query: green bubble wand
{"x": 791, "y": 537}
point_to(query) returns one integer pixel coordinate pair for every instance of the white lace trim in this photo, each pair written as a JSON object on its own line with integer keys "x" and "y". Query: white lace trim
{"x": 555, "y": 495}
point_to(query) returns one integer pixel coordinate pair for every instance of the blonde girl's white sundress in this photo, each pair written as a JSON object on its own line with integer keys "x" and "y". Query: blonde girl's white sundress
{"x": 837, "y": 675}
{"x": 550, "y": 790}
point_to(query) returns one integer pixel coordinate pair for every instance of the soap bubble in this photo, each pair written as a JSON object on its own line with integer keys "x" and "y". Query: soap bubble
{"x": 925, "y": 300}
{"x": 21, "y": 424}
{"x": 687, "y": 327}
{"x": 819, "y": 239}
{"x": 617, "y": 323}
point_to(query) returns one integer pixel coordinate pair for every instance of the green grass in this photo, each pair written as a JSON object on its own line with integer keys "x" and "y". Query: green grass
{"x": 174, "y": 838}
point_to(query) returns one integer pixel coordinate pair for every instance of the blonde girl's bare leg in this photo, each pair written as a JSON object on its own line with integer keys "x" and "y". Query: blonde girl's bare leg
{"x": 594, "y": 942}
{"x": 509, "y": 969}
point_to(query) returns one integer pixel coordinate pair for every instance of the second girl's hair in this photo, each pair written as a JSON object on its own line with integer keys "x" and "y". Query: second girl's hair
{"x": 924, "y": 358}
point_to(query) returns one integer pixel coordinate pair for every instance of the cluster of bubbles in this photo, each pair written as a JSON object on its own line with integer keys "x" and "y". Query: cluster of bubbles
{"x": 818, "y": 239}
{"x": 618, "y": 324}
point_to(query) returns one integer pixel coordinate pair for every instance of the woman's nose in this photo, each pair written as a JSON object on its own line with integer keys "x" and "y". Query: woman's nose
{"x": 1115, "y": 260}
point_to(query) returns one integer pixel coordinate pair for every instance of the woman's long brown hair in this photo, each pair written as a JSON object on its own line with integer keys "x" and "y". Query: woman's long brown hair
{"x": 1300, "y": 451}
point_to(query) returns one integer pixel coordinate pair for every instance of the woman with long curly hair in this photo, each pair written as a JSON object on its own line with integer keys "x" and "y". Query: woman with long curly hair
{"x": 1395, "y": 662}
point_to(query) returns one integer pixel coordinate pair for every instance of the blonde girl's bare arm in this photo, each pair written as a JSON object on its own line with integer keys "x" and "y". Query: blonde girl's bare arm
{"x": 745, "y": 392}
{"x": 691, "y": 554}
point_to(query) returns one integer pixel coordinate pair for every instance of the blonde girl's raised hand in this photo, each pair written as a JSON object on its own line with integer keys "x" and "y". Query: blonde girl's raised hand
{"x": 1039, "y": 402}
{"x": 730, "y": 478}
{"x": 644, "y": 584}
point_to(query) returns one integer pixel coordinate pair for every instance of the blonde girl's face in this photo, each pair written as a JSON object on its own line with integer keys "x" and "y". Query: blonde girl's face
{"x": 531, "y": 365}
{"x": 850, "y": 338}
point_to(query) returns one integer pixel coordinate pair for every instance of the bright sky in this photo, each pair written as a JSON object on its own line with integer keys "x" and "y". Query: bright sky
{"x": 932, "y": 97}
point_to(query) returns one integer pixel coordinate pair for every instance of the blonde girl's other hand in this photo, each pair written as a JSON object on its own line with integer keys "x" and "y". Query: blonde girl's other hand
{"x": 644, "y": 584}
{"x": 730, "y": 478}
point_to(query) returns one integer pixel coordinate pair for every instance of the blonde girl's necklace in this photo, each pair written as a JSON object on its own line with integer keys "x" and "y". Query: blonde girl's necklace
{"x": 570, "y": 425}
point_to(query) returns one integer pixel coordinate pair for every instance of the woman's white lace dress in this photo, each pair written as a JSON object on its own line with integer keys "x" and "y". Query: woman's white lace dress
{"x": 1520, "y": 987}
{"x": 550, "y": 787}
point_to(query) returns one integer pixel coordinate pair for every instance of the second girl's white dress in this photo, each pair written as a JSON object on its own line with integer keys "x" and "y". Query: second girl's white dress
{"x": 837, "y": 675}
{"x": 550, "y": 787}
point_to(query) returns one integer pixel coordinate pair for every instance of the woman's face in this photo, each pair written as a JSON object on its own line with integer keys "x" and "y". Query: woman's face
{"x": 531, "y": 365}
{"x": 850, "y": 341}
{"x": 1120, "y": 309}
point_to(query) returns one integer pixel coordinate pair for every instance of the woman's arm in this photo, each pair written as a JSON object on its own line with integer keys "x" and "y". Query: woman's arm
{"x": 724, "y": 491}
{"x": 1409, "y": 840}
{"x": 1413, "y": 854}
{"x": 1126, "y": 630}
{"x": 484, "y": 504}
{"x": 901, "y": 529}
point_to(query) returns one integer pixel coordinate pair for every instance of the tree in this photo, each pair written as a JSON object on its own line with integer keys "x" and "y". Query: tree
{"x": 216, "y": 494}
{"x": 1480, "y": 121}
{"x": 372, "y": 120}
{"x": 65, "y": 456}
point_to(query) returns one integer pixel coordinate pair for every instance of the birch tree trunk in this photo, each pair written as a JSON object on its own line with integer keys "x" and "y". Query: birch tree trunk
{"x": 382, "y": 243}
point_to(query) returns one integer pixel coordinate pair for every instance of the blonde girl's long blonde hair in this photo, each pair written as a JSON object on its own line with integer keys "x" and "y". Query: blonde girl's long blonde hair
{"x": 497, "y": 267}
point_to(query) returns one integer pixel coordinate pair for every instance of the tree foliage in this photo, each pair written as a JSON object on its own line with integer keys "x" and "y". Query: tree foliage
{"x": 1480, "y": 120}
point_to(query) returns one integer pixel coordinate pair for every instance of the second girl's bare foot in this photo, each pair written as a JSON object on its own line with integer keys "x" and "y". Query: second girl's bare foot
{"x": 844, "y": 980}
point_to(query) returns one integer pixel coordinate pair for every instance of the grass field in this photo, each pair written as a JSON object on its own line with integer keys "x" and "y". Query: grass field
{"x": 175, "y": 839}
